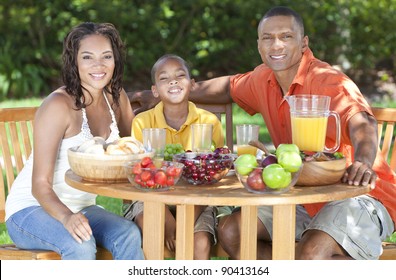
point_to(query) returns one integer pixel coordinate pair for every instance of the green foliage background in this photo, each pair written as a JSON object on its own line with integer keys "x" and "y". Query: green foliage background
{"x": 216, "y": 37}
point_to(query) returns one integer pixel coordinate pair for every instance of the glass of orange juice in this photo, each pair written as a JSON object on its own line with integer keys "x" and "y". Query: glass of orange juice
{"x": 244, "y": 134}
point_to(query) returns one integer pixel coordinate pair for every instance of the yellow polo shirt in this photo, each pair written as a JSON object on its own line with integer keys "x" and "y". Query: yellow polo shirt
{"x": 154, "y": 118}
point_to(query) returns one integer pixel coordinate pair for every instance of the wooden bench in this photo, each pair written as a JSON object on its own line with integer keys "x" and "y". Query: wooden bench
{"x": 386, "y": 119}
{"x": 16, "y": 127}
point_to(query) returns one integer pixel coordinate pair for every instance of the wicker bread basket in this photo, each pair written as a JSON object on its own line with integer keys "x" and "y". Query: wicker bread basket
{"x": 101, "y": 167}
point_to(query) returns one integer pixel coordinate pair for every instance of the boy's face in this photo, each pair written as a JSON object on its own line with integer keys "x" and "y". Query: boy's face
{"x": 172, "y": 81}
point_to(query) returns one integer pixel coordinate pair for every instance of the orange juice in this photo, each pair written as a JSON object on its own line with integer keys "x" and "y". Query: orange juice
{"x": 246, "y": 149}
{"x": 309, "y": 133}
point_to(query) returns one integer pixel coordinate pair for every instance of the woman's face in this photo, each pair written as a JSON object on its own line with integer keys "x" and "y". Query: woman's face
{"x": 95, "y": 60}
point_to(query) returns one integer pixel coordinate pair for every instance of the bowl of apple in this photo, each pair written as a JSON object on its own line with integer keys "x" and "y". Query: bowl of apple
{"x": 274, "y": 174}
{"x": 205, "y": 168}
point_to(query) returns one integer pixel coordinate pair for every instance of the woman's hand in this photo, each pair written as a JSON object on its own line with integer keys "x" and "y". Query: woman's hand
{"x": 77, "y": 225}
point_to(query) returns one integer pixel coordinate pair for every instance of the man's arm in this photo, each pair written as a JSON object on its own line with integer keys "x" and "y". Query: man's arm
{"x": 216, "y": 90}
{"x": 142, "y": 100}
{"x": 364, "y": 138}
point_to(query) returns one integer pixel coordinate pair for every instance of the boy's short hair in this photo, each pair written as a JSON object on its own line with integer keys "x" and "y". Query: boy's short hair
{"x": 168, "y": 56}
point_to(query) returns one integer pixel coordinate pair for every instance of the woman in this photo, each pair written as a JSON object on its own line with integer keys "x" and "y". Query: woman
{"x": 42, "y": 211}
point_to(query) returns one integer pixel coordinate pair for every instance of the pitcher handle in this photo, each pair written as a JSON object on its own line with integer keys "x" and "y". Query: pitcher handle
{"x": 338, "y": 133}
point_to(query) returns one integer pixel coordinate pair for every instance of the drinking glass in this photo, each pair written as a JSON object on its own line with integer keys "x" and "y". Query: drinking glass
{"x": 244, "y": 134}
{"x": 201, "y": 137}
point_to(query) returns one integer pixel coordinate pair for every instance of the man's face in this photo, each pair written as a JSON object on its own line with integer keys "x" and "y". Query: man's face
{"x": 280, "y": 43}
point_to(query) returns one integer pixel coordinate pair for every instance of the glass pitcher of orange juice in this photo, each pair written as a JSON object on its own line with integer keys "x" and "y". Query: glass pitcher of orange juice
{"x": 309, "y": 115}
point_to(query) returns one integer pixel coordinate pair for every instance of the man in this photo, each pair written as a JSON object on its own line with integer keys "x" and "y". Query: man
{"x": 348, "y": 229}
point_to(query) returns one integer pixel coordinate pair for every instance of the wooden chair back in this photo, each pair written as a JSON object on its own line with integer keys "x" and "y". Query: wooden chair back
{"x": 386, "y": 119}
{"x": 16, "y": 128}
{"x": 16, "y": 139}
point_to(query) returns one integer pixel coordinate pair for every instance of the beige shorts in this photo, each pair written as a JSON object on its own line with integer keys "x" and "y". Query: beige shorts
{"x": 358, "y": 224}
{"x": 207, "y": 221}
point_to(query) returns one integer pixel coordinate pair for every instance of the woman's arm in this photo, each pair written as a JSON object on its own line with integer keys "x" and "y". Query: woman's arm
{"x": 53, "y": 122}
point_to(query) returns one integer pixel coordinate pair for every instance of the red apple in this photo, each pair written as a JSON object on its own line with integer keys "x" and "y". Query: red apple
{"x": 255, "y": 180}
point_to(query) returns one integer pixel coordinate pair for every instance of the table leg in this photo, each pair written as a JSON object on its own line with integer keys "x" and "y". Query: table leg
{"x": 184, "y": 232}
{"x": 248, "y": 233}
{"x": 283, "y": 232}
{"x": 153, "y": 230}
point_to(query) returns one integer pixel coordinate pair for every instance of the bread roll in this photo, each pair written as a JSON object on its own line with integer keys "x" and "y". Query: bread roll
{"x": 84, "y": 146}
{"x": 114, "y": 149}
{"x": 95, "y": 149}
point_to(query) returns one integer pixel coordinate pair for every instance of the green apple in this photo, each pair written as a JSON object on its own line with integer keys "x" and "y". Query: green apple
{"x": 286, "y": 147}
{"x": 276, "y": 177}
{"x": 290, "y": 161}
{"x": 245, "y": 163}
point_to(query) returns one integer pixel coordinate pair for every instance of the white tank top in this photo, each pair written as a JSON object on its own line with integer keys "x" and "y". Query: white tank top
{"x": 21, "y": 197}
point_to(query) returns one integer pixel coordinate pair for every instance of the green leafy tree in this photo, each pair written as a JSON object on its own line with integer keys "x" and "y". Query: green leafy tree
{"x": 216, "y": 37}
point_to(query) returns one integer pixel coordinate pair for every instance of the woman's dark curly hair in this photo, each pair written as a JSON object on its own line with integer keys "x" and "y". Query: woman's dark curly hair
{"x": 71, "y": 45}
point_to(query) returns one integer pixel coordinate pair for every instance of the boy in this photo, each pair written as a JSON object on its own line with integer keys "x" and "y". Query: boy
{"x": 172, "y": 84}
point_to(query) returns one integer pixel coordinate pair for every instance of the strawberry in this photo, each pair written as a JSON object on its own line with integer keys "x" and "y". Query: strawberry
{"x": 137, "y": 169}
{"x": 160, "y": 178}
{"x": 173, "y": 171}
{"x": 138, "y": 179}
{"x": 145, "y": 176}
{"x": 146, "y": 161}
{"x": 170, "y": 181}
{"x": 150, "y": 183}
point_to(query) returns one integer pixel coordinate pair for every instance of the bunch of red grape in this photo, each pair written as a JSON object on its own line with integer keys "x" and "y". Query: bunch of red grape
{"x": 205, "y": 168}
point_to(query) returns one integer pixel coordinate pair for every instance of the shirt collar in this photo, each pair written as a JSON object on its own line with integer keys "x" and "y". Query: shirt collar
{"x": 192, "y": 117}
{"x": 301, "y": 73}
{"x": 304, "y": 67}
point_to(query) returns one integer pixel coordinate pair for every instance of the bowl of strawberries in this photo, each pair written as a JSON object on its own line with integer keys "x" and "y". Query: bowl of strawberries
{"x": 153, "y": 174}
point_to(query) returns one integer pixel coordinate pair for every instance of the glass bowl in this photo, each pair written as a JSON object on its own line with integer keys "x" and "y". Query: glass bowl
{"x": 252, "y": 180}
{"x": 154, "y": 175}
{"x": 204, "y": 168}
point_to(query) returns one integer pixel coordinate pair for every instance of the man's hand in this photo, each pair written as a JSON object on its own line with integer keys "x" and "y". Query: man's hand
{"x": 359, "y": 173}
{"x": 142, "y": 100}
{"x": 363, "y": 133}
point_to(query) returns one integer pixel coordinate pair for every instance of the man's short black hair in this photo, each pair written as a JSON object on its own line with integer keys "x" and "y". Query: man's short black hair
{"x": 285, "y": 11}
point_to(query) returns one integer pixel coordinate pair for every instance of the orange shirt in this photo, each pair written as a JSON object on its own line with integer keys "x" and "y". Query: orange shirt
{"x": 258, "y": 92}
